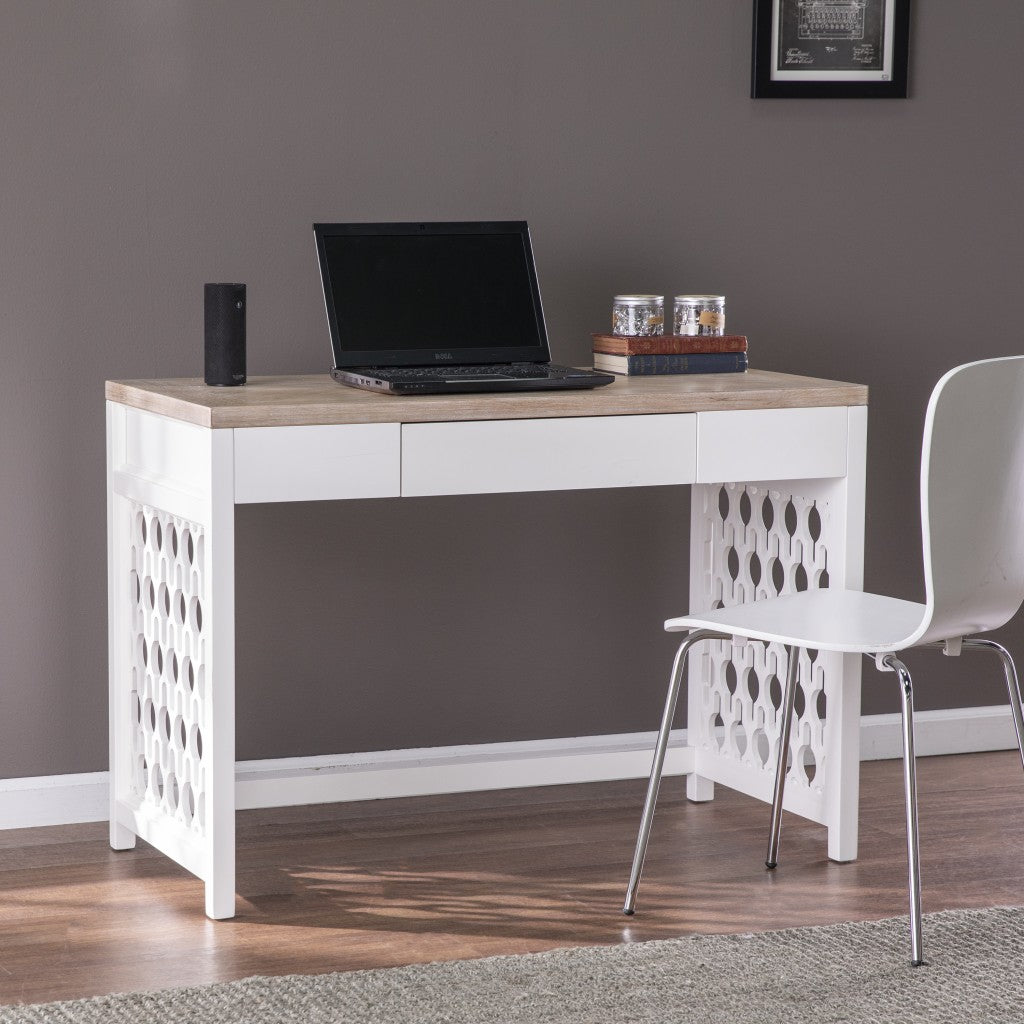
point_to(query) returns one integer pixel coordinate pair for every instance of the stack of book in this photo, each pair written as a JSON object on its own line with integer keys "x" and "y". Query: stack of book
{"x": 670, "y": 353}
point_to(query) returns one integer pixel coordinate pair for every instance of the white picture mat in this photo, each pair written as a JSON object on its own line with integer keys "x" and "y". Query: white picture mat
{"x": 824, "y": 75}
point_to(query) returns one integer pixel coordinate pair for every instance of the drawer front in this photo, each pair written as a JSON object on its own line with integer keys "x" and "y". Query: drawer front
{"x": 771, "y": 444}
{"x": 317, "y": 463}
{"x": 489, "y": 456}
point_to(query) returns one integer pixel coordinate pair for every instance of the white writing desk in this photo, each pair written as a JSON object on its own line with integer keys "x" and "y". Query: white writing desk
{"x": 777, "y": 468}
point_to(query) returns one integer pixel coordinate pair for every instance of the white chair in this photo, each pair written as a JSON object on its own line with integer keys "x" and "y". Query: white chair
{"x": 972, "y": 517}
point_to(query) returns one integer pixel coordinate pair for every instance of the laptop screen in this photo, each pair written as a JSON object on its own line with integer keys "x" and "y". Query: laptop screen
{"x": 429, "y": 294}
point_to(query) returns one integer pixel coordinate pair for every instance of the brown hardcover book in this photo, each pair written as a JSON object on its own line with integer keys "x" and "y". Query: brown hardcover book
{"x": 669, "y": 344}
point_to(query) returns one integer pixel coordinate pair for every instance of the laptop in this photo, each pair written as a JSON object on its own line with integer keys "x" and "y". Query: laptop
{"x": 438, "y": 308}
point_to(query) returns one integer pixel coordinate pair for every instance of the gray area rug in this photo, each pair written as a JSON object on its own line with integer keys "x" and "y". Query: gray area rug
{"x": 848, "y": 973}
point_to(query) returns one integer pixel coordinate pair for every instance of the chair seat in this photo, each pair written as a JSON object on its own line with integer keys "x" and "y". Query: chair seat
{"x": 828, "y": 620}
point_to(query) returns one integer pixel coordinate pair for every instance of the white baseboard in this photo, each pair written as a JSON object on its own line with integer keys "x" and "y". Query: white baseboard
{"x": 70, "y": 799}
{"x": 953, "y": 731}
{"x": 54, "y": 800}
{"x": 464, "y": 769}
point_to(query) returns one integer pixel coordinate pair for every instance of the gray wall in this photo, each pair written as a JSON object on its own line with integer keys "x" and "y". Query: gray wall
{"x": 149, "y": 147}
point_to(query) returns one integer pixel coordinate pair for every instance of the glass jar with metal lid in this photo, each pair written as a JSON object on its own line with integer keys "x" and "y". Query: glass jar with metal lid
{"x": 699, "y": 314}
{"x": 638, "y": 315}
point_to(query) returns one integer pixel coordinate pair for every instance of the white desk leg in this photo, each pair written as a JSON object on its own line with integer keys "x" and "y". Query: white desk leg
{"x": 172, "y": 636}
{"x": 699, "y": 788}
{"x": 756, "y": 540}
{"x": 843, "y": 781}
{"x": 220, "y": 710}
{"x": 119, "y": 627}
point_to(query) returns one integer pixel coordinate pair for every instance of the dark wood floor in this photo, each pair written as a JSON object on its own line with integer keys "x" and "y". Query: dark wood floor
{"x": 348, "y": 886}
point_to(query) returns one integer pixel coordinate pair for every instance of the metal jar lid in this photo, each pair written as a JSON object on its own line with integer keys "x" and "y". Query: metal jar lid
{"x": 639, "y": 300}
{"x": 697, "y": 300}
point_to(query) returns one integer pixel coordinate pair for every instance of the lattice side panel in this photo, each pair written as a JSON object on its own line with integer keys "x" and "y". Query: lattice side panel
{"x": 759, "y": 543}
{"x": 169, "y": 685}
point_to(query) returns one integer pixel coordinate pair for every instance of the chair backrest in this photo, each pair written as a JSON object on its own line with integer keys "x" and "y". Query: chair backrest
{"x": 972, "y": 499}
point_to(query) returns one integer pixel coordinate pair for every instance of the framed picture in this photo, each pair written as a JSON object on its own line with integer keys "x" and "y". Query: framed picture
{"x": 830, "y": 48}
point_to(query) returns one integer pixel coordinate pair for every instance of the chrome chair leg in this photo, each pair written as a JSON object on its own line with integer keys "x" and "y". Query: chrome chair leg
{"x": 1012, "y": 684}
{"x": 659, "y": 760}
{"x": 910, "y": 793}
{"x": 788, "y": 700}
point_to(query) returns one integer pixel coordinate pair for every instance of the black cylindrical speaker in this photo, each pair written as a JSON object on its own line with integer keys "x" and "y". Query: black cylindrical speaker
{"x": 225, "y": 334}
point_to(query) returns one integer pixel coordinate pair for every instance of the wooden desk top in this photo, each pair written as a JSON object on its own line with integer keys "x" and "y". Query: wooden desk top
{"x": 316, "y": 398}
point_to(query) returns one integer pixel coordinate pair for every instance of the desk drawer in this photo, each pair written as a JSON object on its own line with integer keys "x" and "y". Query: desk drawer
{"x": 317, "y": 463}
{"x": 771, "y": 444}
{"x": 488, "y": 456}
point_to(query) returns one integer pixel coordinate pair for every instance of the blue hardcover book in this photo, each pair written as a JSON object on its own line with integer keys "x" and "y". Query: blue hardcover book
{"x": 649, "y": 365}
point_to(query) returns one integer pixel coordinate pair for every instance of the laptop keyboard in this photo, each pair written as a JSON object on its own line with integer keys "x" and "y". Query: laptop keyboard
{"x": 487, "y": 371}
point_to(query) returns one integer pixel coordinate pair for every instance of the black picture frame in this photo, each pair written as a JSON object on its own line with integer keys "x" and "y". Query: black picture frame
{"x": 820, "y": 31}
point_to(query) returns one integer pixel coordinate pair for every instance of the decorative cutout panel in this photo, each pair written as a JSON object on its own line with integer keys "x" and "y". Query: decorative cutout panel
{"x": 168, "y": 691}
{"x": 758, "y": 543}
